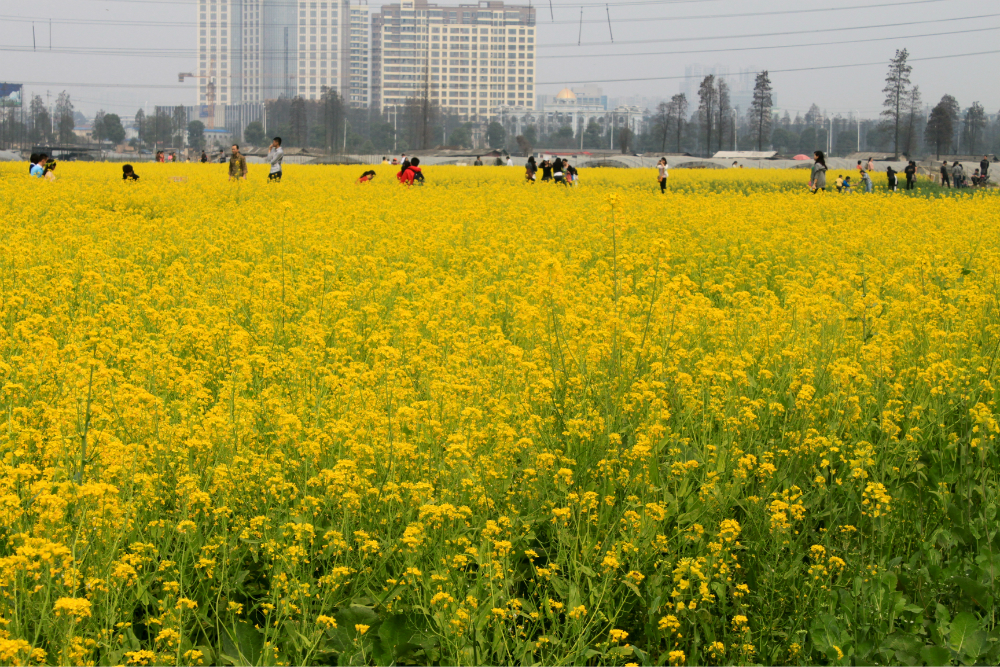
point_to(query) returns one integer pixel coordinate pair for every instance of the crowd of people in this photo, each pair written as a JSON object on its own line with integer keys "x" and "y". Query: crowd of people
{"x": 559, "y": 170}
{"x": 951, "y": 175}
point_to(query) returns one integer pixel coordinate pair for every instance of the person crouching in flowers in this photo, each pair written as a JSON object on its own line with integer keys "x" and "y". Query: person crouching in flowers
{"x": 818, "y": 176}
{"x": 410, "y": 172}
{"x": 367, "y": 176}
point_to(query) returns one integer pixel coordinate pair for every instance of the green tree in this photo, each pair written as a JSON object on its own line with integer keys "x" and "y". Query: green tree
{"x": 759, "y": 117}
{"x": 897, "y": 88}
{"x": 940, "y": 130}
{"x": 460, "y": 136}
{"x": 496, "y": 136}
{"x": 196, "y": 134}
{"x": 97, "y": 130}
{"x": 140, "y": 126}
{"x": 113, "y": 130}
{"x": 41, "y": 122}
{"x": 253, "y": 133}
{"x": 975, "y": 124}
{"x": 64, "y": 119}
{"x": 593, "y": 135}
{"x": 677, "y": 111}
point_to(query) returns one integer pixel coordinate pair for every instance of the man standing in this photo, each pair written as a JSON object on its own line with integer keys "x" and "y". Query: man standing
{"x": 984, "y": 166}
{"x": 237, "y": 165}
{"x": 275, "y": 154}
{"x": 945, "y": 175}
{"x": 478, "y": 162}
{"x": 204, "y": 157}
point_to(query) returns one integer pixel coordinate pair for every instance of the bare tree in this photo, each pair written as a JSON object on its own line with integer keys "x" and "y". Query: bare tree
{"x": 664, "y": 112}
{"x": 707, "y": 101}
{"x": 913, "y": 114}
{"x": 724, "y": 110}
{"x": 679, "y": 110}
{"x": 897, "y": 84}
{"x": 760, "y": 111}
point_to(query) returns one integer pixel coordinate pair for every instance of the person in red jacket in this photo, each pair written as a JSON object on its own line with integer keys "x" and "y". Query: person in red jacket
{"x": 410, "y": 172}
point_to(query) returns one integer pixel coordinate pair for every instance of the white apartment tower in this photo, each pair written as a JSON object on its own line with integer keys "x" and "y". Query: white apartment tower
{"x": 357, "y": 58}
{"x": 246, "y": 50}
{"x": 258, "y": 50}
{"x": 469, "y": 59}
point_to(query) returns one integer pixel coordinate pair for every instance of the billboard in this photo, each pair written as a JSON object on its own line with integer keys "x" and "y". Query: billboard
{"x": 10, "y": 95}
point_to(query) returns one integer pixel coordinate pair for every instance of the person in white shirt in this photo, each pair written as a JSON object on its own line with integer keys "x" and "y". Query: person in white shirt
{"x": 510, "y": 161}
{"x": 275, "y": 154}
{"x": 661, "y": 168}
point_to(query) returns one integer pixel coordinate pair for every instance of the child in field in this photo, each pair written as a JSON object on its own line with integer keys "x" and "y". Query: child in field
{"x": 847, "y": 185}
{"x": 840, "y": 182}
{"x": 367, "y": 176}
{"x": 128, "y": 173}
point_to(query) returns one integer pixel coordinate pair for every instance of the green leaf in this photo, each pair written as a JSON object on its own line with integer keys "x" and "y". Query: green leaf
{"x": 962, "y": 630}
{"x": 935, "y": 655}
{"x": 973, "y": 590}
{"x": 825, "y": 632}
{"x": 242, "y": 644}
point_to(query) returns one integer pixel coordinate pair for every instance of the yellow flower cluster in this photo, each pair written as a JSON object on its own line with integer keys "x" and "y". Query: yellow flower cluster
{"x": 480, "y": 420}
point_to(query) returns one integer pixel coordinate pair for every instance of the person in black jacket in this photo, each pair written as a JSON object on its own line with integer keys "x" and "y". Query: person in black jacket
{"x": 890, "y": 179}
{"x": 128, "y": 173}
{"x": 945, "y": 175}
{"x": 911, "y": 174}
{"x": 984, "y": 166}
{"x": 546, "y": 170}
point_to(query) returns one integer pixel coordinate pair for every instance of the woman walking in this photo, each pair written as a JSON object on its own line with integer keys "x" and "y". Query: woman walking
{"x": 661, "y": 168}
{"x": 818, "y": 175}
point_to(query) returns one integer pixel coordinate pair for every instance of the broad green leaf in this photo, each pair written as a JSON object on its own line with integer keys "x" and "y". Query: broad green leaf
{"x": 962, "y": 628}
{"x": 935, "y": 655}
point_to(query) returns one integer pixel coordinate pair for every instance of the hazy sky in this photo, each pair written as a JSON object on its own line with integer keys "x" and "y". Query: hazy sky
{"x": 153, "y": 40}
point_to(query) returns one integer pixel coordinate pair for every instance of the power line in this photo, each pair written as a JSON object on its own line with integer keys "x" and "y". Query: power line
{"x": 136, "y": 52}
{"x": 577, "y": 56}
{"x": 772, "y": 34}
{"x": 192, "y": 24}
{"x": 781, "y": 12}
{"x": 770, "y": 71}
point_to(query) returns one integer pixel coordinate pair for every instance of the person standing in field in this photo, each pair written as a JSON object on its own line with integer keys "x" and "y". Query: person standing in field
{"x": 890, "y": 179}
{"x": 478, "y": 162}
{"x": 275, "y": 154}
{"x": 945, "y": 175}
{"x": 510, "y": 161}
{"x": 957, "y": 175}
{"x": 530, "y": 169}
{"x": 204, "y": 157}
{"x": 661, "y": 173}
{"x": 871, "y": 164}
{"x": 984, "y": 167}
{"x": 237, "y": 165}
{"x": 911, "y": 174}
{"x": 818, "y": 174}
{"x": 546, "y": 170}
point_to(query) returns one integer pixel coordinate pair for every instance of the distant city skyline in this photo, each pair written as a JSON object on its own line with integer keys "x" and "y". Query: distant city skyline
{"x": 643, "y": 53}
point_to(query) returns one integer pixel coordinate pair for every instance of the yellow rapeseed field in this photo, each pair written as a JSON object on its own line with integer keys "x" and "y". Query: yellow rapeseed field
{"x": 481, "y": 422}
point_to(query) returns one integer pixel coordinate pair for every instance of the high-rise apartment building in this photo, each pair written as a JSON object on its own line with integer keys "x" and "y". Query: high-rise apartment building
{"x": 469, "y": 59}
{"x": 247, "y": 50}
{"x": 257, "y": 50}
{"x": 357, "y": 57}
